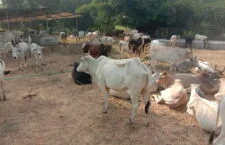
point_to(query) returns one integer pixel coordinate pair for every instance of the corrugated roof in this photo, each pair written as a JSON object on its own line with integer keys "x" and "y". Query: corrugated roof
{"x": 54, "y": 16}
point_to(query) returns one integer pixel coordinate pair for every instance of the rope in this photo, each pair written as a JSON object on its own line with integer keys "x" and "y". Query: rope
{"x": 36, "y": 75}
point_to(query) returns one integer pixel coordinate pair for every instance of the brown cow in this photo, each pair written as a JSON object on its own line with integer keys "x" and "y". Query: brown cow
{"x": 174, "y": 94}
{"x": 96, "y": 49}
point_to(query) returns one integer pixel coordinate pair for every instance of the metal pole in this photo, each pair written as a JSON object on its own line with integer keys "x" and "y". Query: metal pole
{"x": 76, "y": 24}
{"x": 7, "y": 17}
{"x": 47, "y": 25}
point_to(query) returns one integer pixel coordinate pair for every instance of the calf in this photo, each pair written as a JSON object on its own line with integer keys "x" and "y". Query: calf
{"x": 174, "y": 94}
{"x": 136, "y": 45}
{"x": 127, "y": 38}
{"x": 147, "y": 41}
{"x": 36, "y": 54}
{"x": 173, "y": 40}
{"x": 80, "y": 78}
{"x": 119, "y": 75}
{"x": 123, "y": 48}
{"x": 21, "y": 52}
{"x": 202, "y": 38}
{"x": 203, "y": 110}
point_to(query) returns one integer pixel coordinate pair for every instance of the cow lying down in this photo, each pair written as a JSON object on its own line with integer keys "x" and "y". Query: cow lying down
{"x": 80, "y": 78}
{"x": 120, "y": 75}
{"x": 218, "y": 137}
{"x": 174, "y": 94}
{"x": 203, "y": 110}
{"x": 208, "y": 84}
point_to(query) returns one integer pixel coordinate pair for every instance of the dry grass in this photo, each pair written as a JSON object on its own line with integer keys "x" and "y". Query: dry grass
{"x": 62, "y": 113}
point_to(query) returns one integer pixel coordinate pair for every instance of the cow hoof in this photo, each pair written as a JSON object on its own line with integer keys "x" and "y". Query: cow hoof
{"x": 105, "y": 112}
{"x": 130, "y": 122}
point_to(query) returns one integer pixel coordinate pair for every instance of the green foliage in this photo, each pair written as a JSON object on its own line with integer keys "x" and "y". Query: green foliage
{"x": 160, "y": 18}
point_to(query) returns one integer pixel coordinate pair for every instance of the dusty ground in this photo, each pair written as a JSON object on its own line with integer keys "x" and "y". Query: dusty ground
{"x": 58, "y": 112}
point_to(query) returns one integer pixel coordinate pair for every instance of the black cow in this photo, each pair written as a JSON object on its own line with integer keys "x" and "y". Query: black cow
{"x": 80, "y": 78}
{"x": 136, "y": 45}
{"x": 188, "y": 42}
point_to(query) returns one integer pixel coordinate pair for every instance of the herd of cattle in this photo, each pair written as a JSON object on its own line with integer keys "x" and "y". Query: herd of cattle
{"x": 22, "y": 49}
{"x": 131, "y": 78}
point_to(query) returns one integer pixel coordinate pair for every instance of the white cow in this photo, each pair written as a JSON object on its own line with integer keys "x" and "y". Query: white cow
{"x": 220, "y": 94}
{"x": 174, "y": 94}
{"x": 173, "y": 40}
{"x": 5, "y": 48}
{"x": 7, "y": 36}
{"x": 96, "y": 34}
{"x": 204, "y": 66}
{"x": 21, "y": 52}
{"x": 134, "y": 32}
{"x": 36, "y": 54}
{"x": 2, "y": 68}
{"x": 124, "y": 48}
{"x": 220, "y": 140}
{"x": 121, "y": 75}
{"x": 138, "y": 35}
{"x": 202, "y": 38}
{"x": 107, "y": 40}
{"x": 203, "y": 110}
{"x": 120, "y": 94}
{"x": 81, "y": 34}
{"x": 171, "y": 55}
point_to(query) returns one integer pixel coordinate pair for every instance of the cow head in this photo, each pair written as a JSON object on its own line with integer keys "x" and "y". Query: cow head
{"x": 165, "y": 80}
{"x": 195, "y": 95}
{"x": 85, "y": 47}
{"x": 16, "y": 52}
{"x": 40, "y": 53}
{"x": 189, "y": 54}
{"x": 85, "y": 64}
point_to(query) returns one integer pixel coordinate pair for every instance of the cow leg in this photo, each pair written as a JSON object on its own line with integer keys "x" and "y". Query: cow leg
{"x": 135, "y": 103}
{"x": 147, "y": 105}
{"x": 106, "y": 102}
{"x": 134, "y": 100}
{"x": 3, "y": 91}
{"x": 158, "y": 99}
{"x": 153, "y": 63}
{"x": 106, "y": 95}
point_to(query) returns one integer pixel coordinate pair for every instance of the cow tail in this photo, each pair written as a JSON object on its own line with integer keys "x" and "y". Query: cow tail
{"x": 3, "y": 64}
{"x": 212, "y": 136}
{"x": 147, "y": 88}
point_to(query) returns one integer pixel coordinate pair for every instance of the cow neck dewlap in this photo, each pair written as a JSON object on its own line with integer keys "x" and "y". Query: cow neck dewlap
{"x": 93, "y": 67}
{"x": 222, "y": 114}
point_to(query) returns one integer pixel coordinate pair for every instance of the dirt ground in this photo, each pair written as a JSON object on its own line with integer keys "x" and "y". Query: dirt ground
{"x": 52, "y": 110}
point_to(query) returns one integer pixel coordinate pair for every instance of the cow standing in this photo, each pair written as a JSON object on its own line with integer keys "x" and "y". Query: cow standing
{"x": 120, "y": 75}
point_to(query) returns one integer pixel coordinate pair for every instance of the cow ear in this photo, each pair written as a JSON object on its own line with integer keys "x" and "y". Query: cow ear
{"x": 196, "y": 58}
{"x": 164, "y": 74}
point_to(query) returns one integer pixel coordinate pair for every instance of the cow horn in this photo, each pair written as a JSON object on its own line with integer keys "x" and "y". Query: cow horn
{"x": 223, "y": 70}
{"x": 163, "y": 73}
{"x": 215, "y": 67}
